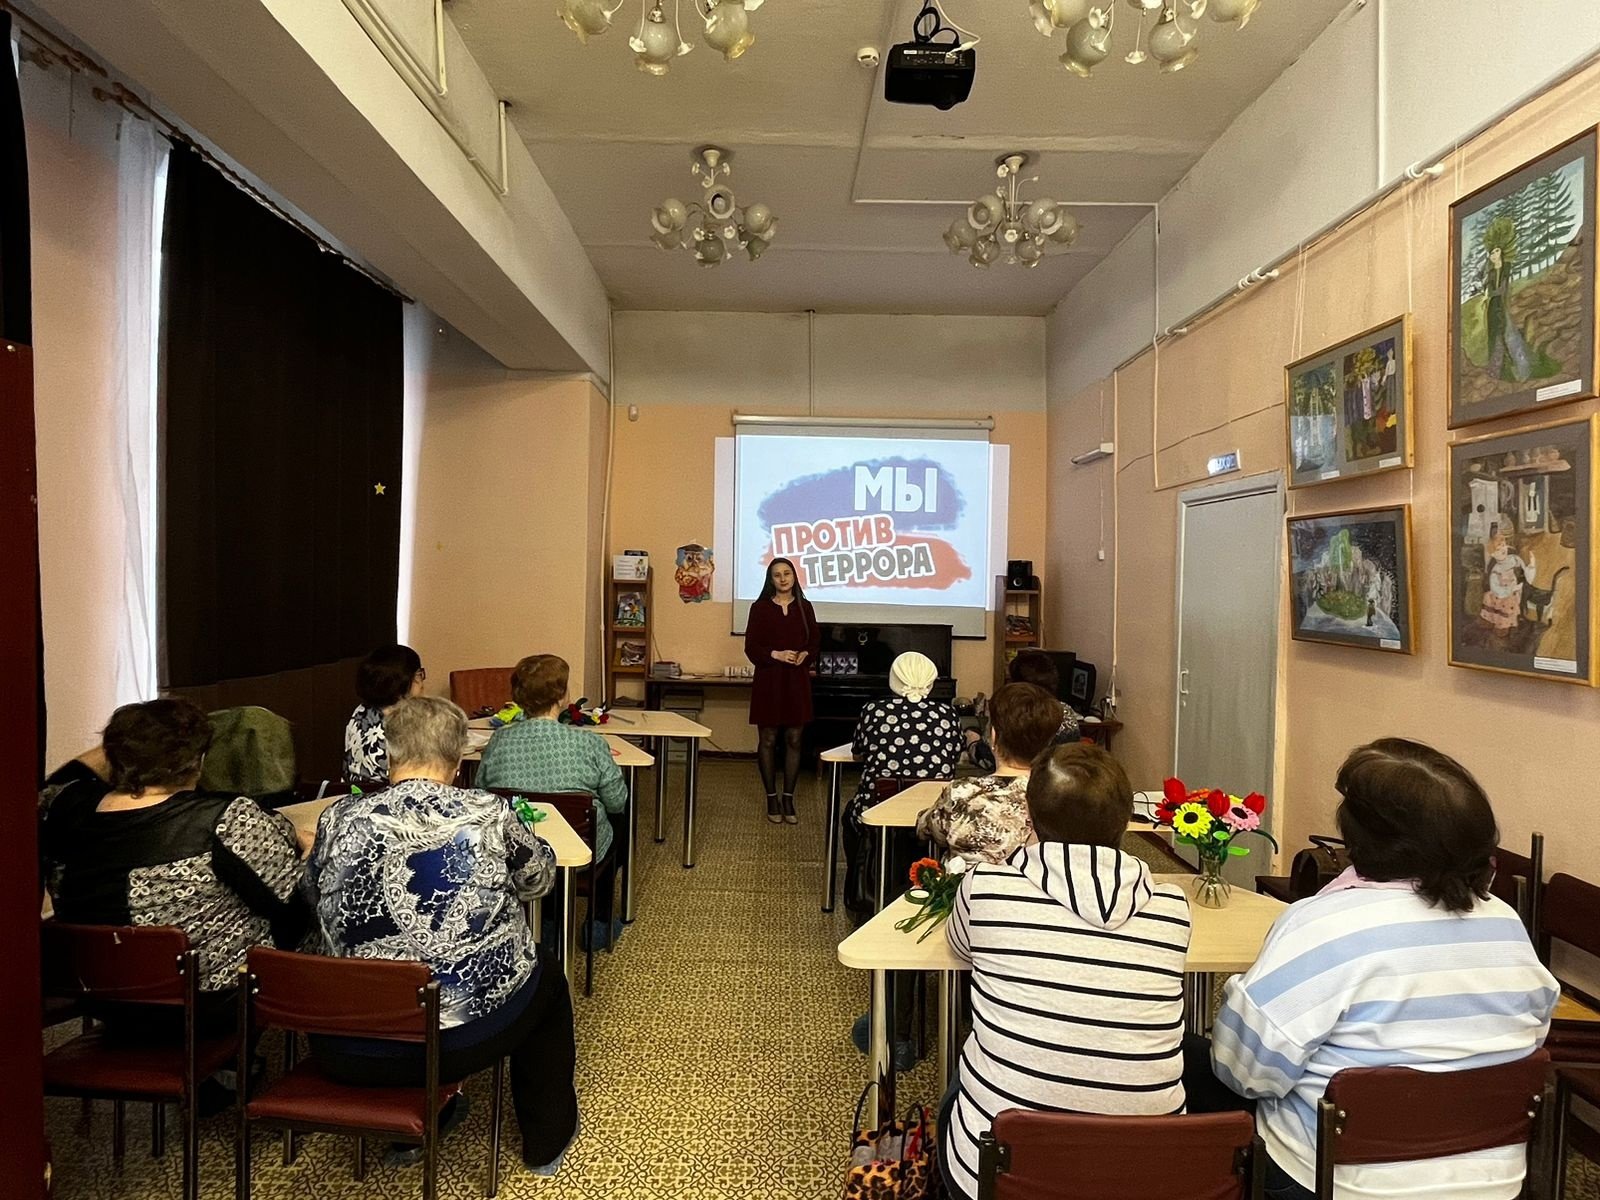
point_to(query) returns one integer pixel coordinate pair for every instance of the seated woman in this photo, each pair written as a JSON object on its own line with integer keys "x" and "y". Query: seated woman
{"x": 907, "y": 736}
{"x": 542, "y": 755}
{"x": 987, "y": 817}
{"x": 126, "y": 839}
{"x": 386, "y": 676}
{"x": 1038, "y": 668}
{"x": 431, "y": 873}
{"x": 1404, "y": 960}
{"x": 1077, "y": 1002}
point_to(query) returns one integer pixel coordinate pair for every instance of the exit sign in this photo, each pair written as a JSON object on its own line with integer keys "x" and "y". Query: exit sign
{"x": 1223, "y": 464}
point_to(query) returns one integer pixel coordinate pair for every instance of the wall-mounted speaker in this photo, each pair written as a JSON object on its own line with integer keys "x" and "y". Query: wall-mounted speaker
{"x": 1020, "y": 576}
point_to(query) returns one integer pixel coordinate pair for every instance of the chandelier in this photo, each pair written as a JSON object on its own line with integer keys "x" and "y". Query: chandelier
{"x": 1171, "y": 41}
{"x": 656, "y": 43}
{"x": 1000, "y": 226}
{"x": 714, "y": 226}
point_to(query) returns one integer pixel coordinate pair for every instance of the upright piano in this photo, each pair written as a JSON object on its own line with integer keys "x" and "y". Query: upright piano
{"x": 853, "y": 669}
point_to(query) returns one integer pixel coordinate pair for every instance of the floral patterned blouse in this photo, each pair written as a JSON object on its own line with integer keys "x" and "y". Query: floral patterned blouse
{"x": 912, "y": 739}
{"x": 366, "y": 749}
{"x": 984, "y": 818}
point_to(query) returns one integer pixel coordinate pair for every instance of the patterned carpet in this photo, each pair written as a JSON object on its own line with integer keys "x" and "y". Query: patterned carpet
{"x": 714, "y": 1056}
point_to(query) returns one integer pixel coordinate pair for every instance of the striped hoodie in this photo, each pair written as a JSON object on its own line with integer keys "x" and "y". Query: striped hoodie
{"x": 1373, "y": 976}
{"x": 1077, "y": 990}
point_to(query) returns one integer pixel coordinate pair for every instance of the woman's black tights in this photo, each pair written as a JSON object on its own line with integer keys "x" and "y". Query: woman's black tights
{"x": 766, "y": 758}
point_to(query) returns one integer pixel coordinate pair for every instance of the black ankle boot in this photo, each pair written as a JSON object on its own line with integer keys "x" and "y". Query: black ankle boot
{"x": 773, "y": 814}
{"x": 788, "y": 809}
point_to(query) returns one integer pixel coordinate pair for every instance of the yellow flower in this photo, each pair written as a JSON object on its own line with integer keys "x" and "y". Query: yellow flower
{"x": 1192, "y": 820}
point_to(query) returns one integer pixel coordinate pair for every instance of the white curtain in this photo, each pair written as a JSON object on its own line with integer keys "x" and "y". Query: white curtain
{"x": 141, "y": 189}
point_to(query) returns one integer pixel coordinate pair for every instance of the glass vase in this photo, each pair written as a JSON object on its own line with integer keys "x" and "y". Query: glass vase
{"x": 1211, "y": 889}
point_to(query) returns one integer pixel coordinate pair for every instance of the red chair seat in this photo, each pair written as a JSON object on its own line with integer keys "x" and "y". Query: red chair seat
{"x": 308, "y": 1097}
{"x": 1584, "y": 1082}
{"x": 95, "y": 1064}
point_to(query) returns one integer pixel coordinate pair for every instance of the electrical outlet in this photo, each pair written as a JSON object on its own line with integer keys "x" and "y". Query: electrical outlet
{"x": 1101, "y": 555}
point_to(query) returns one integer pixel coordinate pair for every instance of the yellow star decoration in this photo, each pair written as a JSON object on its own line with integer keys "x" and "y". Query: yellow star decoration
{"x": 377, "y": 489}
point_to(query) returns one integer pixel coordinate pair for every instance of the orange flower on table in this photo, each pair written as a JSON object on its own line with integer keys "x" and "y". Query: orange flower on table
{"x": 921, "y": 865}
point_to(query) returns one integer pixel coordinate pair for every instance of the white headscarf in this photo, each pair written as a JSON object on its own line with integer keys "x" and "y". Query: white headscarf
{"x": 913, "y": 676}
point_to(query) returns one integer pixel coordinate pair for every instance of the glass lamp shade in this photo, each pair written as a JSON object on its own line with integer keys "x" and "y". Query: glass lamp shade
{"x": 728, "y": 29}
{"x": 1029, "y": 253}
{"x": 1067, "y": 232}
{"x": 1043, "y": 17}
{"x": 1088, "y": 45}
{"x": 1146, "y": 6}
{"x": 669, "y": 216}
{"x": 1066, "y": 13}
{"x": 710, "y": 252}
{"x": 586, "y": 18}
{"x": 756, "y": 247}
{"x": 985, "y": 252}
{"x": 1171, "y": 44}
{"x": 669, "y": 240}
{"x": 758, "y": 218}
{"x": 1234, "y": 10}
{"x": 1041, "y": 215}
{"x": 656, "y": 44}
{"x": 985, "y": 212}
{"x": 961, "y": 236}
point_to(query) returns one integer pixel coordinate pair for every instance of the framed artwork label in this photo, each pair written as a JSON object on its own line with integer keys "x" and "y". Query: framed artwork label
{"x": 1521, "y": 546}
{"x": 1557, "y": 390}
{"x": 1389, "y": 644}
{"x": 1349, "y": 407}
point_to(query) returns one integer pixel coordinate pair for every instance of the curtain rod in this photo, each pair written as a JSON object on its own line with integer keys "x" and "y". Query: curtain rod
{"x": 1424, "y": 167}
{"x": 740, "y": 418}
{"x": 56, "y": 49}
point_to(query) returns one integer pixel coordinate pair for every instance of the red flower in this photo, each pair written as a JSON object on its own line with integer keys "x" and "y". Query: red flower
{"x": 1175, "y": 792}
{"x": 1218, "y": 802}
{"x": 921, "y": 865}
{"x": 1256, "y": 803}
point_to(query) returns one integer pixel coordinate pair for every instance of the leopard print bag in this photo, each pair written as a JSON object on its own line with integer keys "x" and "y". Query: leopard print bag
{"x": 894, "y": 1162}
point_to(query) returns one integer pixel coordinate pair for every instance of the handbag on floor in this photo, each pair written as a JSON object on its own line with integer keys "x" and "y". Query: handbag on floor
{"x": 895, "y": 1162}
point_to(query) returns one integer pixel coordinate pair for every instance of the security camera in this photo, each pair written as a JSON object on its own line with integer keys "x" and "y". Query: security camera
{"x": 867, "y": 56}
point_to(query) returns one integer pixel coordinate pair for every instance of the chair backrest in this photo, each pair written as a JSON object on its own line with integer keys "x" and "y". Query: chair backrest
{"x": 1051, "y": 1156}
{"x": 887, "y": 786}
{"x": 1519, "y": 881}
{"x": 576, "y": 808}
{"x": 1397, "y": 1114}
{"x": 481, "y": 687}
{"x": 1570, "y": 913}
{"x": 361, "y": 997}
{"x": 123, "y": 964}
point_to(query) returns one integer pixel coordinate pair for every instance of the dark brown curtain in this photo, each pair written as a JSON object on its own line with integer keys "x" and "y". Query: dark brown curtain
{"x": 281, "y": 426}
{"x": 21, "y": 696}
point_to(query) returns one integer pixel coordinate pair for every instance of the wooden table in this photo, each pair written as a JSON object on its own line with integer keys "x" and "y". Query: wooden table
{"x": 1099, "y": 730}
{"x": 1220, "y": 940}
{"x": 836, "y": 760}
{"x": 571, "y": 851}
{"x": 661, "y": 728}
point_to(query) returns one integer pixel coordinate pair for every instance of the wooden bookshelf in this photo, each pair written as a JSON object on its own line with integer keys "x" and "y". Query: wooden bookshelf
{"x": 1022, "y": 606}
{"x": 623, "y": 639}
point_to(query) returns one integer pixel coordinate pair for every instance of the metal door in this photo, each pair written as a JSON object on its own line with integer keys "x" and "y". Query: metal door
{"x": 1230, "y": 548}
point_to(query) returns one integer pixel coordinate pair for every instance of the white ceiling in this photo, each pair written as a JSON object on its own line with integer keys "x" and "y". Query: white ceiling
{"x": 813, "y": 138}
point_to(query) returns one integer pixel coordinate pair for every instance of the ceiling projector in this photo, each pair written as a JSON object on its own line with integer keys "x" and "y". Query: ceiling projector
{"x": 927, "y": 71}
{"x": 924, "y": 73}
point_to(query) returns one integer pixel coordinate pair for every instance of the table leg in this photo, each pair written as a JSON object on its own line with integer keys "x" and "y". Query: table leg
{"x": 691, "y": 784}
{"x": 949, "y": 1029}
{"x": 1197, "y": 1002}
{"x": 883, "y": 867}
{"x": 830, "y": 838}
{"x": 878, "y": 1043}
{"x": 658, "y": 747}
{"x": 569, "y": 926}
{"x": 632, "y": 820}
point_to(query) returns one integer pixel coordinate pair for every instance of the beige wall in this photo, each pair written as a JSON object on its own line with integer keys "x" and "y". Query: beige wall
{"x": 688, "y": 373}
{"x": 508, "y": 477}
{"x": 72, "y": 184}
{"x": 1220, "y": 387}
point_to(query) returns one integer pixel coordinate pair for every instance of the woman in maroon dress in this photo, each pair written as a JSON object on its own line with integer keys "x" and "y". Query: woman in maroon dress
{"x": 781, "y": 638}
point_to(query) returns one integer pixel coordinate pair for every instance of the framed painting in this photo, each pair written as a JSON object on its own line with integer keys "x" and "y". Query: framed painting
{"x": 1522, "y": 288}
{"x": 1350, "y": 579}
{"x": 1521, "y": 552}
{"x": 1349, "y": 407}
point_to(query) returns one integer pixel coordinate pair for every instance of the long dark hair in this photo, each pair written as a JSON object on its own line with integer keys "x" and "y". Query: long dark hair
{"x": 768, "y": 590}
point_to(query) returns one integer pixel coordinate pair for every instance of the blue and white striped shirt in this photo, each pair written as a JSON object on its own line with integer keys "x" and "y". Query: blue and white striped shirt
{"x": 1376, "y": 977}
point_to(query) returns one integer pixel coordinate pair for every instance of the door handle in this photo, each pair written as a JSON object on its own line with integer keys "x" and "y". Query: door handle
{"x": 1183, "y": 682}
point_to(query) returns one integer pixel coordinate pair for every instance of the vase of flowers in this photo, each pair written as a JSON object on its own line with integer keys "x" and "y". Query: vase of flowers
{"x": 1209, "y": 819}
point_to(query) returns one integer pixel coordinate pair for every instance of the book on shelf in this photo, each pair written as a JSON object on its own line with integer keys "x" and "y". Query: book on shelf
{"x": 1019, "y": 626}
{"x": 630, "y": 609}
{"x": 631, "y": 654}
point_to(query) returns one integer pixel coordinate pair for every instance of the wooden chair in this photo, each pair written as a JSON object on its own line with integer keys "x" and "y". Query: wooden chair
{"x": 577, "y": 810}
{"x": 481, "y": 688}
{"x": 1032, "y": 1155}
{"x": 347, "y": 997}
{"x": 1519, "y": 881}
{"x": 1570, "y": 922}
{"x": 1396, "y": 1114}
{"x": 101, "y": 966}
